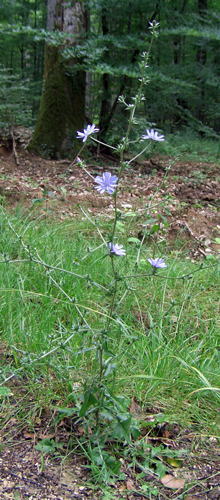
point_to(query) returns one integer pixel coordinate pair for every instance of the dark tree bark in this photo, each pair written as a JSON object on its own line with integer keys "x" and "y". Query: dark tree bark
{"x": 62, "y": 107}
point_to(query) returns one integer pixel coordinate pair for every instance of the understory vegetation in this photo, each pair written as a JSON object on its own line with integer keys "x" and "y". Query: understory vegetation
{"x": 162, "y": 346}
{"x": 165, "y": 328}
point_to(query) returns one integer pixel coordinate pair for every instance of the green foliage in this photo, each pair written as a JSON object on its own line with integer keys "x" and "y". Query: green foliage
{"x": 34, "y": 316}
{"x": 183, "y": 90}
{"x": 15, "y": 108}
{"x": 5, "y": 392}
{"x": 188, "y": 143}
{"x": 21, "y": 59}
{"x": 47, "y": 446}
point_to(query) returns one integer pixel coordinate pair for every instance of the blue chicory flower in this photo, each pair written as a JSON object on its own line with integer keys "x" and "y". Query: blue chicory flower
{"x": 107, "y": 182}
{"x": 90, "y": 129}
{"x": 153, "y": 135}
{"x": 116, "y": 249}
{"x": 157, "y": 263}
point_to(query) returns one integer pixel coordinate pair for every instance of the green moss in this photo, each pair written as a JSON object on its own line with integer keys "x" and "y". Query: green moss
{"x": 61, "y": 110}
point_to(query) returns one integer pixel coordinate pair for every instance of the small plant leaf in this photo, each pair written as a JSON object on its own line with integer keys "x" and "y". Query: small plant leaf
{"x": 130, "y": 214}
{"x": 46, "y": 446}
{"x": 155, "y": 228}
{"x": 5, "y": 391}
{"x": 37, "y": 200}
{"x": 134, "y": 240}
{"x": 89, "y": 400}
{"x": 160, "y": 468}
{"x": 174, "y": 462}
{"x": 109, "y": 370}
{"x": 66, "y": 412}
{"x": 120, "y": 226}
{"x": 122, "y": 429}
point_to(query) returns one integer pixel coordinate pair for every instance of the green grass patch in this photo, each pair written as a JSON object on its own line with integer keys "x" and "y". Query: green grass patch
{"x": 164, "y": 334}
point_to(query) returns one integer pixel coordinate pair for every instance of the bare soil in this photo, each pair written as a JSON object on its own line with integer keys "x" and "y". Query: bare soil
{"x": 57, "y": 188}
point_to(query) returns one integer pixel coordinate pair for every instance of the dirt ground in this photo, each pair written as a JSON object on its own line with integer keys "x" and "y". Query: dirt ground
{"x": 23, "y": 473}
{"x": 56, "y": 188}
{"x": 191, "y": 191}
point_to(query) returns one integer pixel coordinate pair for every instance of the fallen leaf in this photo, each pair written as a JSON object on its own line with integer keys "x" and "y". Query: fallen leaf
{"x": 172, "y": 482}
{"x": 29, "y": 435}
{"x": 37, "y": 420}
{"x": 173, "y": 318}
{"x": 166, "y": 433}
{"x": 130, "y": 484}
{"x": 134, "y": 408}
{"x": 8, "y": 484}
{"x": 81, "y": 431}
{"x": 122, "y": 487}
{"x": 13, "y": 421}
{"x": 193, "y": 497}
{"x": 46, "y": 436}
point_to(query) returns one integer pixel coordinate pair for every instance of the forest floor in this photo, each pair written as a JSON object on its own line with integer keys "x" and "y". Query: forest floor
{"x": 55, "y": 189}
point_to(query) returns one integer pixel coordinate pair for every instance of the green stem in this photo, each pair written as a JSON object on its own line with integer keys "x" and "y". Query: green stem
{"x": 122, "y": 148}
{"x": 109, "y": 319}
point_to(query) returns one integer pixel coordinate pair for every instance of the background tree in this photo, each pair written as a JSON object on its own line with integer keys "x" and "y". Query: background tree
{"x": 62, "y": 107}
{"x": 21, "y": 56}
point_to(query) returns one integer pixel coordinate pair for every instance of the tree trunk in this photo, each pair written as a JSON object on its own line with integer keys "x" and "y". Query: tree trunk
{"x": 62, "y": 106}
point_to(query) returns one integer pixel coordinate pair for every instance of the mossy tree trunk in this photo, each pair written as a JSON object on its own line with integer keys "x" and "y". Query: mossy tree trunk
{"x": 62, "y": 107}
